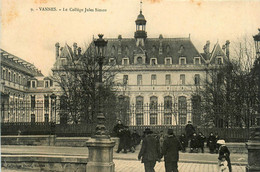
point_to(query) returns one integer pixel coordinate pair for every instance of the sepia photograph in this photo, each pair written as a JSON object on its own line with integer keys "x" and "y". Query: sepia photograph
{"x": 130, "y": 85}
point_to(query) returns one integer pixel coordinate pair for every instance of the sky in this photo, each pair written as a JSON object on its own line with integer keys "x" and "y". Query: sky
{"x": 30, "y": 33}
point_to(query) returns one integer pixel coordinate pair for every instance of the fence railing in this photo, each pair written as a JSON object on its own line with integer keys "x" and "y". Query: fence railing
{"x": 86, "y": 130}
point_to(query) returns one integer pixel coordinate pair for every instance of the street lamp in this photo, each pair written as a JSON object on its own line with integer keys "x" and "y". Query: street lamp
{"x": 53, "y": 103}
{"x": 257, "y": 66}
{"x": 100, "y": 45}
{"x": 100, "y": 146}
{"x": 253, "y": 144}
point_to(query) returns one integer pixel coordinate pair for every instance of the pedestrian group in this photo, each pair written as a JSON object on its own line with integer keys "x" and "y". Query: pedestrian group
{"x": 156, "y": 146}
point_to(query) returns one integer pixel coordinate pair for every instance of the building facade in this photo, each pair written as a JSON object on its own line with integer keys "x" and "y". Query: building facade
{"x": 157, "y": 77}
{"x": 25, "y": 92}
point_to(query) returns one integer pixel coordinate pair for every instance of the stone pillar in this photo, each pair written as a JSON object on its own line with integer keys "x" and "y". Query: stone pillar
{"x": 253, "y": 146}
{"x": 100, "y": 155}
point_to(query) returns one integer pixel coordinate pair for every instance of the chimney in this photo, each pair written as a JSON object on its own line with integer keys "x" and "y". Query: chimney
{"x": 224, "y": 48}
{"x": 161, "y": 46}
{"x": 227, "y": 48}
{"x": 120, "y": 44}
{"x": 75, "y": 48}
{"x": 206, "y": 47}
{"x": 57, "y": 45}
{"x": 79, "y": 51}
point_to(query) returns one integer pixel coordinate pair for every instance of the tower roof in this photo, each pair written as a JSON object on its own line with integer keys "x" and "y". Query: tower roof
{"x": 140, "y": 18}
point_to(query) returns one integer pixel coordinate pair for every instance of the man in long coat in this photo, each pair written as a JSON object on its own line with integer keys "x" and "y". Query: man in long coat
{"x": 150, "y": 151}
{"x": 170, "y": 151}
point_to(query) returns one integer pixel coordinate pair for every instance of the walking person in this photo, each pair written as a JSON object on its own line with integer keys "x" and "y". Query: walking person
{"x": 170, "y": 151}
{"x": 201, "y": 140}
{"x": 184, "y": 142}
{"x": 223, "y": 151}
{"x": 211, "y": 142}
{"x": 194, "y": 144}
{"x": 150, "y": 151}
{"x": 119, "y": 132}
{"x": 189, "y": 129}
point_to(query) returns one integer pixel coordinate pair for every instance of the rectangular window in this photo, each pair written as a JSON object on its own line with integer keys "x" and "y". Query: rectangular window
{"x": 112, "y": 61}
{"x": 139, "y": 80}
{"x": 46, "y": 102}
{"x": 168, "y": 79}
{"x": 197, "y": 79}
{"x": 3, "y": 74}
{"x": 153, "y": 118}
{"x": 46, "y": 84}
{"x": 219, "y": 61}
{"x": 153, "y": 79}
{"x": 9, "y": 76}
{"x": 139, "y": 119}
{"x": 168, "y": 118}
{"x": 125, "y": 79}
{"x": 197, "y": 61}
{"x": 125, "y": 61}
{"x": 182, "y": 61}
{"x": 153, "y": 62}
{"x": 46, "y": 117}
{"x": 32, "y": 102}
{"x": 182, "y": 78}
{"x": 168, "y": 61}
{"x": 32, "y": 118}
{"x": 33, "y": 84}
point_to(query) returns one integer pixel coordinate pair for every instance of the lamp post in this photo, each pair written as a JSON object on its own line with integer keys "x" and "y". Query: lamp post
{"x": 53, "y": 103}
{"x": 100, "y": 145}
{"x": 253, "y": 144}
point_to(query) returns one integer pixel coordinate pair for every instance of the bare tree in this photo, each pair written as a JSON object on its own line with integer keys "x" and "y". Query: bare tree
{"x": 229, "y": 95}
{"x": 77, "y": 79}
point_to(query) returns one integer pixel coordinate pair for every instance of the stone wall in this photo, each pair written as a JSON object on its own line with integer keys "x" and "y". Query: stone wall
{"x": 46, "y": 163}
{"x": 33, "y": 140}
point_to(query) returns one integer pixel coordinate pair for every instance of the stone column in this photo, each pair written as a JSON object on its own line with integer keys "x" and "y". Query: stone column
{"x": 253, "y": 146}
{"x": 100, "y": 155}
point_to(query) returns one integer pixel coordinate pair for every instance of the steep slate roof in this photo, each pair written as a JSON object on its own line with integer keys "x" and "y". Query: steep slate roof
{"x": 15, "y": 62}
{"x": 217, "y": 51}
{"x": 151, "y": 48}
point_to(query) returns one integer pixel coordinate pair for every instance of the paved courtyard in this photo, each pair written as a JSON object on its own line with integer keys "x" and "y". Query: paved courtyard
{"x": 195, "y": 162}
{"x": 137, "y": 166}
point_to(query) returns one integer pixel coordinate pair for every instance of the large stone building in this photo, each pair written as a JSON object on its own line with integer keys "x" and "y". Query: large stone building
{"x": 161, "y": 72}
{"x": 25, "y": 92}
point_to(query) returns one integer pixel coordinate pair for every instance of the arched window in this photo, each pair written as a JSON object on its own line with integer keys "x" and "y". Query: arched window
{"x": 168, "y": 110}
{"x": 153, "y": 110}
{"x": 168, "y": 102}
{"x": 139, "y": 103}
{"x": 182, "y": 107}
{"x": 139, "y": 110}
{"x": 123, "y": 106}
{"x": 196, "y": 109}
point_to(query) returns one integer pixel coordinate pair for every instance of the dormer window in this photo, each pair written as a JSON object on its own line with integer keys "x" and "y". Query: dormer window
{"x": 182, "y": 61}
{"x": 112, "y": 61}
{"x": 125, "y": 61}
{"x": 197, "y": 60}
{"x": 33, "y": 84}
{"x": 168, "y": 60}
{"x": 139, "y": 60}
{"x": 219, "y": 60}
{"x": 153, "y": 61}
{"x": 47, "y": 84}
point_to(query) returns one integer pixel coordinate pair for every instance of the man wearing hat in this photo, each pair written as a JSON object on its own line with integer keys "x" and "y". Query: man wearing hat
{"x": 150, "y": 151}
{"x": 223, "y": 151}
{"x": 170, "y": 151}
